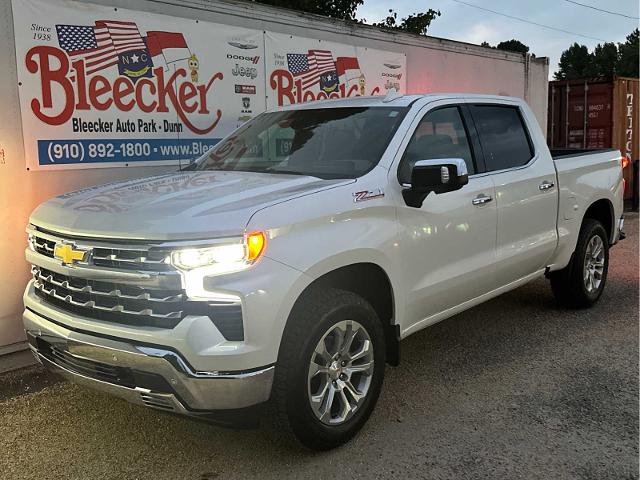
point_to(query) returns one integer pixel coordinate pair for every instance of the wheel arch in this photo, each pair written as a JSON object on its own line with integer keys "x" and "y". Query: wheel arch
{"x": 371, "y": 282}
{"x": 602, "y": 211}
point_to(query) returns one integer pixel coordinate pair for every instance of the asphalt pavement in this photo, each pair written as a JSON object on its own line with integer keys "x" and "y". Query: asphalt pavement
{"x": 515, "y": 388}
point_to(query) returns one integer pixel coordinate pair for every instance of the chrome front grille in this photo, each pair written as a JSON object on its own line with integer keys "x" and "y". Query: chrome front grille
{"x": 131, "y": 258}
{"x": 43, "y": 246}
{"x": 110, "y": 301}
{"x": 139, "y": 257}
{"x": 127, "y": 283}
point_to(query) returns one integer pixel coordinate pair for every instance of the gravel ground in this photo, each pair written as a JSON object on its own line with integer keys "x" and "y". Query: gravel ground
{"x": 514, "y": 388}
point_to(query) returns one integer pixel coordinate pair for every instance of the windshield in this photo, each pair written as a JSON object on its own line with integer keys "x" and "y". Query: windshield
{"x": 325, "y": 143}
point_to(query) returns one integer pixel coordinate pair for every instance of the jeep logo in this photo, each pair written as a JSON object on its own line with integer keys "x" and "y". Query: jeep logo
{"x": 250, "y": 72}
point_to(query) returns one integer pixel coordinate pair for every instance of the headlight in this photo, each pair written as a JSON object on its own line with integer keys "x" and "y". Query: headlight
{"x": 230, "y": 256}
{"x": 197, "y": 263}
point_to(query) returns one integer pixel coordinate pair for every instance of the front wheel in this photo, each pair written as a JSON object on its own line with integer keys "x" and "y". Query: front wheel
{"x": 330, "y": 368}
{"x": 580, "y": 284}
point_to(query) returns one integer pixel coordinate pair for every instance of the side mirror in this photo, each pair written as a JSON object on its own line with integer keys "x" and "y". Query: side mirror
{"x": 439, "y": 175}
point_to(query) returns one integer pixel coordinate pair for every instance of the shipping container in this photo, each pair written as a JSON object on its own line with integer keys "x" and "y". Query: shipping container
{"x": 589, "y": 114}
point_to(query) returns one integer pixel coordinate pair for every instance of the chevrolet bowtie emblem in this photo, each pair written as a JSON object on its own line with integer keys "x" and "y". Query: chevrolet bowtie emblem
{"x": 68, "y": 254}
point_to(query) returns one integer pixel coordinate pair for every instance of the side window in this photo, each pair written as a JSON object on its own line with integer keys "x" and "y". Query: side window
{"x": 440, "y": 134}
{"x": 503, "y": 136}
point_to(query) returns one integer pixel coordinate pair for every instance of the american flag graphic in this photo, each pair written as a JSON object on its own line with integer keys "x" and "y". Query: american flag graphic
{"x": 309, "y": 66}
{"x": 99, "y": 45}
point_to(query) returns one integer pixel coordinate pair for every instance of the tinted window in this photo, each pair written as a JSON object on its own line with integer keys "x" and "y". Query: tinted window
{"x": 325, "y": 143}
{"x": 503, "y": 137}
{"x": 440, "y": 134}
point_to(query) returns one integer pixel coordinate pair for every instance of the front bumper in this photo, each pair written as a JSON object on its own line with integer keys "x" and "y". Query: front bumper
{"x": 147, "y": 375}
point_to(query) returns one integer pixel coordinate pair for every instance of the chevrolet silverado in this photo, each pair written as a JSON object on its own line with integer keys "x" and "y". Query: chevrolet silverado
{"x": 287, "y": 263}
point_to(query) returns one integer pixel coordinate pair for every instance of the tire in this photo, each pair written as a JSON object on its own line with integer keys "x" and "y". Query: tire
{"x": 327, "y": 315}
{"x": 570, "y": 285}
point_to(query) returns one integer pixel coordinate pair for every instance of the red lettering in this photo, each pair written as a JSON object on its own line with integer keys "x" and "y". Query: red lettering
{"x": 48, "y": 76}
{"x": 298, "y": 90}
{"x": 147, "y": 108}
{"x": 354, "y": 88}
{"x": 98, "y": 86}
{"x": 290, "y": 91}
{"x": 97, "y": 92}
{"x": 166, "y": 89}
{"x": 187, "y": 92}
{"x": 202, "y": 90}
{"x": 282, "y": 82}
{"x": 162, "y": 104}
{"x": 81, "y": 83}
{"x": 122, "y": 87}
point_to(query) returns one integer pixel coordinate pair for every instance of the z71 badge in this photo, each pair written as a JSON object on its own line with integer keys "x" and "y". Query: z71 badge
{"x": 368, "y": 195}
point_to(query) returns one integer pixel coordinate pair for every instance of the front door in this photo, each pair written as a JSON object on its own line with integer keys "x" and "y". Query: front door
{"x": 448, "y": 244}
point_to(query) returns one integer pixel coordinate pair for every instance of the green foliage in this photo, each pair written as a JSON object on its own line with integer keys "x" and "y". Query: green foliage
{"x": 414, "y": 23}
{"x": 344, "y": 9}
{"x": 513, "y": 45}
{"x": 575, "y": 62}
{"x": 628, "y": 56}
{"x": 606, "y": 60}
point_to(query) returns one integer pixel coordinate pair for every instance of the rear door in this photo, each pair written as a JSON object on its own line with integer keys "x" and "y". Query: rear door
{"x": 525, "y": 186}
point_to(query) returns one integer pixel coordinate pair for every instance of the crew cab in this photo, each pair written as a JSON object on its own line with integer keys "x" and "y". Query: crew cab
{"x": 288, "y": 262}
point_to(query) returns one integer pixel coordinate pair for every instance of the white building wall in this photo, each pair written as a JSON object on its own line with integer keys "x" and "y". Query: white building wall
{"x": 432, "y": 65}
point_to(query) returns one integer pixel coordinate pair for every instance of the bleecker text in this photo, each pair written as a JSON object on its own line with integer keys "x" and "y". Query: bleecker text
{"x": 289, "y": 90}
{"x": 99, "y": 93}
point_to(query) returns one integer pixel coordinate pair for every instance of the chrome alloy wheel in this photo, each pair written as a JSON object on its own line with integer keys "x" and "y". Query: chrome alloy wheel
{"x": 593, "y": 264}
{"x": 340, "y": 372}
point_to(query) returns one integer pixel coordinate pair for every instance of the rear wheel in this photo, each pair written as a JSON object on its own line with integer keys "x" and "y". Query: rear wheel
{"x": 330, "y": 368}
{"x": 580, "y": 284}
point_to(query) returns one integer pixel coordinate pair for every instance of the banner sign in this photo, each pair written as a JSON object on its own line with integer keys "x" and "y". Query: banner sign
{"x": 304, "y": 69}
{"x": 101, "y": 86}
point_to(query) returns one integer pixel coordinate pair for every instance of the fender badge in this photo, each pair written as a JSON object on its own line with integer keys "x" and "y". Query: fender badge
{"x": 368, "y": 195}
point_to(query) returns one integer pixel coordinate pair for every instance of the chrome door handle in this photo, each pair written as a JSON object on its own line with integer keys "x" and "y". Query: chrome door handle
{"x": 481, "y": 199}
{"x": 546, "y": 185}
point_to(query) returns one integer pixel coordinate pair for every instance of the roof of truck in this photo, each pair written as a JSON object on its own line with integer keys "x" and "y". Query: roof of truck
{"x": 380, "y": 101}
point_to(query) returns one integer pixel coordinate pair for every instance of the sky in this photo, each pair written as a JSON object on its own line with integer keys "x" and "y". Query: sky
{"x": 468, "y": 24}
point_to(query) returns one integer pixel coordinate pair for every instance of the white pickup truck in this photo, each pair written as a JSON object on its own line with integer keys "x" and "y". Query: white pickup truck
{"x": 288, "y": 263}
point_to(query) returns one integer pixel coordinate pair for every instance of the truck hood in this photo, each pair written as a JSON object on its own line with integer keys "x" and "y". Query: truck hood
{"x": 176, "y": 206}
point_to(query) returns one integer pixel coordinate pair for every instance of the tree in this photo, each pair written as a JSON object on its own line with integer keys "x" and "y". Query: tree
{"x": 604, "y": 60}
{"x": 485, "y": 44}
{"x": 513, "y": 45}
{"x": 414, "y": 23}
{"x": 344, "y": 9}
{"x": 628, "y": 56}
{"x": 575, "y": 62}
